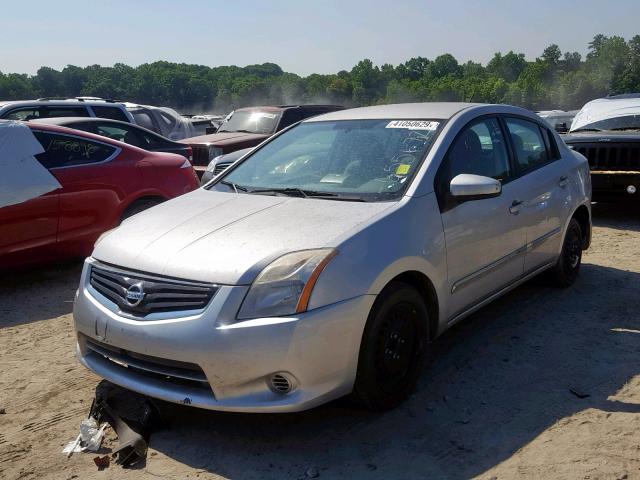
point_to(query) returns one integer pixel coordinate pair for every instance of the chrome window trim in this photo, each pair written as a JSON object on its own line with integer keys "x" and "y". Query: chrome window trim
{"x": 115, "y": 153}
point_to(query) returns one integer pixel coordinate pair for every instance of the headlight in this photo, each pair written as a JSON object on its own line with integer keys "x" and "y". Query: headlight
{"x": 284, "y": 287}
{"x": 214, "y": 152}
{"x": 212, "y": 164}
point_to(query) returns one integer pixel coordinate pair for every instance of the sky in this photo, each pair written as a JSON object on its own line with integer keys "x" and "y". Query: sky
{"x": 303, "y": 36}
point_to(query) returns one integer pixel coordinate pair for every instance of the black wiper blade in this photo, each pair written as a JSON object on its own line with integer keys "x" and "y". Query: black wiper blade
{"x": 299, "y": 192}
{"x": 235, "y": 186}
{"x": 621, "y": 129}
{"x": 286, "y": 191}
{"x": 586, "y": 130}
{"x": 334, "y": 196}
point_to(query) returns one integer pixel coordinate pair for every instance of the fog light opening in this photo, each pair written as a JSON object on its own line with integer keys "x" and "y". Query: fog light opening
{"x": 631, "y": 189}
{"x": 281, "y": 383}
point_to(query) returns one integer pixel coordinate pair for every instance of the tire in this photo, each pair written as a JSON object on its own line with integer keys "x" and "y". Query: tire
{"x": 139, "y": 206}
{"x": 567, "y": 268}
{"x": 393, "y": 348}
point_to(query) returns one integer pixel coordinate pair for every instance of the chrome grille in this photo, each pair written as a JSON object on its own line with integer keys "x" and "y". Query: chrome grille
{"x": 142, "y": 294}
{"x": 618, "y": 156}
{"x": 200, "y": 154}
{"x": 221, "y": 167}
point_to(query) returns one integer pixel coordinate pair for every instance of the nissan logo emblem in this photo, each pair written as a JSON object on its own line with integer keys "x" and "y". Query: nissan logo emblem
{"x": 135, "y": 294}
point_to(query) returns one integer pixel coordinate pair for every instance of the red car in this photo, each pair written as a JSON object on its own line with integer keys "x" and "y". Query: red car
{"x": 103, "y": 181}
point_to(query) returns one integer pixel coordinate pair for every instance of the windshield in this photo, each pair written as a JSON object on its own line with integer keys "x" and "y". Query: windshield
{"x": 359, "y": 160}
{"x": 251, "y": 121}
{"x": 626, "y": 122}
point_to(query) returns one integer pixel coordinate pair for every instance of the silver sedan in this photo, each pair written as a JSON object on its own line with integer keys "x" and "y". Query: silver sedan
{"x": 326, "y": 261}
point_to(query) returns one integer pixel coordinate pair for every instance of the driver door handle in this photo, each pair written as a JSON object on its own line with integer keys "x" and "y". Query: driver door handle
{"x": 563, "y": 181}
{"x": 514, "y": 209}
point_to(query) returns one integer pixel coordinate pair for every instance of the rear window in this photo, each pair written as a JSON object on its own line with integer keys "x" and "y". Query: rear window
{"x": 114, "y": 113}
{"x": 70, "y": 151}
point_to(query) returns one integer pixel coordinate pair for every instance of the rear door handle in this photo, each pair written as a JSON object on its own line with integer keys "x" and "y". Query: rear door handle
{"x": 514, "y": 209}
{"x": 564, "y": 181}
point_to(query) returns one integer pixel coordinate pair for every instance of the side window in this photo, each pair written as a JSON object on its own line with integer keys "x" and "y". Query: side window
{"x": 23, "y": 114}
{"x": 480, "y": 150}
{"x": 122, "y": 134}
{"x": 530, "y": 147}
{"x": 289, "y": 117}
{"x": 113, "y": 113}
{"x": 70, "y": 151}
{"x": 550, "y": 143}
{"x": 52, "y": 112}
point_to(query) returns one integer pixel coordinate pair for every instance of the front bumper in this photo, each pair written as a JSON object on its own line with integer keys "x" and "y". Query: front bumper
{"x": 612, "y": 185}
{"x": 318, "y": 350}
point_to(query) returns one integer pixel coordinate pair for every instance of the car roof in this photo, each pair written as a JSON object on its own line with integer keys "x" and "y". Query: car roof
{"x": 63, "y": 121}
{"x": 278, "y": 108}
{"x": 427, "y": 110}
{"x": 607, "y": 108}
{"x": 79, "y": 133}
{"x": 66, "y": 120}
{"x": 60, "y": 102}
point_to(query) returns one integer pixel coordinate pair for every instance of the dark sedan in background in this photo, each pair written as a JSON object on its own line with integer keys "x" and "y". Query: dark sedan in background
{"x": 123, "y": 132}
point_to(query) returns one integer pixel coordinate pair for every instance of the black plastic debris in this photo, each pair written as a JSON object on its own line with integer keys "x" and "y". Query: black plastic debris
{"x": 579, "y": 393}
{"x": 132, "y": 416}
{"x": 132, "y": 446}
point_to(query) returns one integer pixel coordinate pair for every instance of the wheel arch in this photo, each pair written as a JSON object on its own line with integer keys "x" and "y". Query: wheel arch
{"x": 425, "y": 287}
{"x": 148, "y": 197}
{"x": 583, "y": 216}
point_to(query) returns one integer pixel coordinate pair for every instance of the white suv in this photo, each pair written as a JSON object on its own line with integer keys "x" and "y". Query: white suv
{"x": 26, "y": 110}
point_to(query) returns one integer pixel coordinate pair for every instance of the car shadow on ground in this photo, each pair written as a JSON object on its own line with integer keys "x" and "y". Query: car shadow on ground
{"x": 619, "y": 216}
{"x": 497, "y": 380}
{"x": 36, "y": 294}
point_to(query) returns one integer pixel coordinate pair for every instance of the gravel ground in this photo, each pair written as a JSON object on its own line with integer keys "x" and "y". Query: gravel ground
{"x": 497, "y": 401}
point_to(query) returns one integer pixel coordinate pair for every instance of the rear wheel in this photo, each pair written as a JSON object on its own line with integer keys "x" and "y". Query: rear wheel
{"x": 140, "y": 206}
{"x": 393, "y": 348}
{"x": 567, "y": 268}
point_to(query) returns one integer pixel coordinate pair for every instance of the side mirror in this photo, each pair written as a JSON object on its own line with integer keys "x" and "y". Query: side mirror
{"x": 467, "y": 186}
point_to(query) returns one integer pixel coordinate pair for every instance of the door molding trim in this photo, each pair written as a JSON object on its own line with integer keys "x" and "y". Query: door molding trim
{"x": 492, "y": 296}
{"x": 465, "y": 281}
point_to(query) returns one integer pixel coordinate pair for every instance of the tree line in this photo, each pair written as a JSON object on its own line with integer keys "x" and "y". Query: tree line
{"x": 554, "y": 80}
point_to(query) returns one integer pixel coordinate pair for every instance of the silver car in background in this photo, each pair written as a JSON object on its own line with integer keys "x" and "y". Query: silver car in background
{"x": 325, "y": 262}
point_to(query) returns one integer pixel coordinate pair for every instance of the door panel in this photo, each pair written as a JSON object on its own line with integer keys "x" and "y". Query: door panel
{"x": 94, "y": 183}
{"x": 28, "y": 225}
{"x": 485, "y": 248}
{"x": 544, "y": 179}
{"x": 485, "y": 237}
{"x": 544, "y": 201}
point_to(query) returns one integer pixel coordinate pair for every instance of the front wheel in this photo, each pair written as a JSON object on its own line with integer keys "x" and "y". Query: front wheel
{"x": 567, "y": 268}
{"x": 393, "y": 348}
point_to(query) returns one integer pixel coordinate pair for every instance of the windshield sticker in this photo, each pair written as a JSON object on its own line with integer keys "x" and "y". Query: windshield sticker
{"x": 413, "y": 124}
{"x": 403, "y": 169}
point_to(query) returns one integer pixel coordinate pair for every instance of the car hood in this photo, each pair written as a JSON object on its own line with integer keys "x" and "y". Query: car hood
{"x": 603, "y": 136}
{"x": 228, "y": 238}
{"x": 225, "y": 138}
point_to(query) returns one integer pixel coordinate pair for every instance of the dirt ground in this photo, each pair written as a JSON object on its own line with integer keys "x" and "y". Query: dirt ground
{"x": 496, "y": 402}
